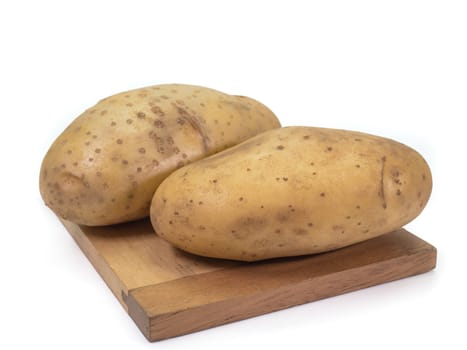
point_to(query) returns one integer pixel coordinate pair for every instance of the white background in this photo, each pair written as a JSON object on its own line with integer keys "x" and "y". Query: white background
{"x": 393, "y": 68}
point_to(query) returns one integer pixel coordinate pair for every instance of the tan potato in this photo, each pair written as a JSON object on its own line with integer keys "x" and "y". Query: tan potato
{"x": 291, "y": 191}
{"x": 104, "y": 168}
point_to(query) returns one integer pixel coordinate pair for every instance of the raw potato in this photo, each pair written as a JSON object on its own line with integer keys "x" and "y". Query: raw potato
{"x": 291, "y": 191}
{"x": 104, "y": 168}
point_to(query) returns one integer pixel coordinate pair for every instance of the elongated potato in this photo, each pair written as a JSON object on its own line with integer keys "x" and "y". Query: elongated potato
{"x": 104, "y": 168}
{"x": 291, "y": 191}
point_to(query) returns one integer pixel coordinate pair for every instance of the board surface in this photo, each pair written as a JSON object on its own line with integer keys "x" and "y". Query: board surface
{"x": 168, "y": 292}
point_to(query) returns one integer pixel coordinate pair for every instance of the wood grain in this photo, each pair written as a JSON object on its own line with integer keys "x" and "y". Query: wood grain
{"x": 131, "y": 255}
{"x": 168, "y": 292}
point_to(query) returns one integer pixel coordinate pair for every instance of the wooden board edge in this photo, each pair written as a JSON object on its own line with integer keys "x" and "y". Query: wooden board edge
{"x": 98, "y": 262}
{"x": 184, "y": 321}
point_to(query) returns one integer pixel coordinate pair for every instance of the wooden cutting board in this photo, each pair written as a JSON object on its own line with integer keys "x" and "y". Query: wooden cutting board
{"x": 168, "y": 292}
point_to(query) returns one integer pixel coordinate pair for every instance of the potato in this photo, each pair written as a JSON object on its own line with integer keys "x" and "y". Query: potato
{"x": 104, "y": 168}
{"x": 291, "y": 191}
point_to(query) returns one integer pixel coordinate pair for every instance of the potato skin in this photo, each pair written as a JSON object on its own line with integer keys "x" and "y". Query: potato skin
{"x": 104, "y": 168}
{"x": 291, "y": 191}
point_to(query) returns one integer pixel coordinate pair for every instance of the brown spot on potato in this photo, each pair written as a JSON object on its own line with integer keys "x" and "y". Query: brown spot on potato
{"x": 119, "y": 141}
{"x": 158, "y": 111}
{"x": 142, "y": 150}
{"x": 322, "y": 194}
{"x": 159, "y": 124}
{"x": 113, "y": 124}
{"x": 97, "y": 150}
{"x": 280, "y": 147}
{"x": 329, "y": 149}
{"x": 300, "y": 231}
{"x": 141, "y": 115}
{"x": 282, "y": 217}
